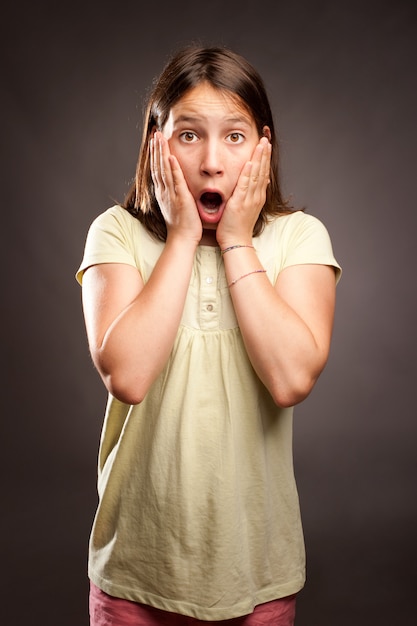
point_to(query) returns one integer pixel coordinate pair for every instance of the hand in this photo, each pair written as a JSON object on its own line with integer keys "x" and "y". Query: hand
{"x": 248, "y": 198}
{"x": 177, "y": 205}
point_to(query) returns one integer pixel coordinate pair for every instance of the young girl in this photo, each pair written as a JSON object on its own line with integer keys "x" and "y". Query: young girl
{"x": 209, "y": 307}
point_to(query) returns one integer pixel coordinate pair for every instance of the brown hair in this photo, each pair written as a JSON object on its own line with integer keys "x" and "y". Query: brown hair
{"x": 224, "y": 70}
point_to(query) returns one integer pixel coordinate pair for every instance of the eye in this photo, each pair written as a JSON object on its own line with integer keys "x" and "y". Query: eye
{"x": 188, "y": 136}
{"x": 235, "y": 137}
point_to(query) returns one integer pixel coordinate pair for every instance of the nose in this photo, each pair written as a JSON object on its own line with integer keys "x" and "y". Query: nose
{"x": 211, "y": 159}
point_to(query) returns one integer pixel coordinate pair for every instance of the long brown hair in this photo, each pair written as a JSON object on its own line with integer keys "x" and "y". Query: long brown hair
{"x": 226, "y": 71}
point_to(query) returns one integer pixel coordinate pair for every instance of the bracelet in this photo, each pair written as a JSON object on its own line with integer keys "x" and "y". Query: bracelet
{"x": 244, "y": 276}
{"x": 239, "y": 245}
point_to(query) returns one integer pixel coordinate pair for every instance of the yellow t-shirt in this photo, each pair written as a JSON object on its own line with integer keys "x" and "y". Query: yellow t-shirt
{"x": 198, "y": 509}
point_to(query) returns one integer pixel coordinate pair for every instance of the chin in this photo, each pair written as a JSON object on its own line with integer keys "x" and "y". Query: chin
{"x": 209, "y": 225}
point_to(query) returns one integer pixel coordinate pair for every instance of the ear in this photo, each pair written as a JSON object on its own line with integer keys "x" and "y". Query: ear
{"x": 266, "y": 132}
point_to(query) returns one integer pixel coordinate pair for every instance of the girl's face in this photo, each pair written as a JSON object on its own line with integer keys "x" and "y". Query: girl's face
{"x": 212, "y": 136}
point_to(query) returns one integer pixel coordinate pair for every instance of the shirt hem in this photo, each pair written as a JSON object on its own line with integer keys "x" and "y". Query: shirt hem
{"x": 189, "y": 609}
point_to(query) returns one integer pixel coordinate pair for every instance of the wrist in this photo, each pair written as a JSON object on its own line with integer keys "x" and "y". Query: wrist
{"x": 235, "y": 246}
{"x": 234, "y": 240}
{"x": 182, "y": 242}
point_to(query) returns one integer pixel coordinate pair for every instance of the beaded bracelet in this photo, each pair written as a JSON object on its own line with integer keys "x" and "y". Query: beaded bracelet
{"x": 239, "y": 245}
{"x": 244, "y": 276}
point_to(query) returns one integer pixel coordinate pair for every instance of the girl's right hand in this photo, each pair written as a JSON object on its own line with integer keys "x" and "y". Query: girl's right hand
{"x": 177, "y": 205}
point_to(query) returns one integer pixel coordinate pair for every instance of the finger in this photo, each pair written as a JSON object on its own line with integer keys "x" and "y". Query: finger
{"x": 160, "y": 158}
{"x": 178, "y": 180}
{"x": 152, "y": 160}
{"x": 260, "y": 173}
{"x": 244, "y": 180}
{"x": 259, "y": 159}
{"x": 265, "y": 166}
{"x": 251, "y": 179}
{"x": 155, "y": 161}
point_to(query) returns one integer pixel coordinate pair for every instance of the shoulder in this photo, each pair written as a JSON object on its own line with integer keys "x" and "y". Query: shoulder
{"x": 290, "y": 230}
{"x": 295, "y": 227}
{"x": 115, "y": 236}
{"x": 116, "y": 225}
{"x": 297, "y": 221}
{"x": 113, "y": 218}
{"x": 298, "y": 238}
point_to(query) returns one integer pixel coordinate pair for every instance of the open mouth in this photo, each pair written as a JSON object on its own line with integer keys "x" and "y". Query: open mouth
{"x": 211, "y": 201}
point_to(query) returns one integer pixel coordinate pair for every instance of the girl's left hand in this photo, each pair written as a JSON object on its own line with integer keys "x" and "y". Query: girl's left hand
{"x": 243, "y": 208}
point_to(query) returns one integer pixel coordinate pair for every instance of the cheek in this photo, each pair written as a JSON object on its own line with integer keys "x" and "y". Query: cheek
{"x": 188, "y": 164}
{"x": 237, "y": 163}
{"x": 187, "y": 168}
{"x": 182, "y": 157}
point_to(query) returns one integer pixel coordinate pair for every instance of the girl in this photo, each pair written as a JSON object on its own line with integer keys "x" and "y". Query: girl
{"x": 209, "y": 307}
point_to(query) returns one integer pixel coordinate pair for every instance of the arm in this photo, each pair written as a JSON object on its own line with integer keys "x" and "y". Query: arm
{"x": 131, "y": 327}
{"x": 286, "y": 328}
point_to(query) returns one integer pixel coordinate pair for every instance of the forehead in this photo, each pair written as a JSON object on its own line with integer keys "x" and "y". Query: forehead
{"x": 205, "y": 100}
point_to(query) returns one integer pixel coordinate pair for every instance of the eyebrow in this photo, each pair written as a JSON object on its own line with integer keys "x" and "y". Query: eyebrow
{"x": 228, "y": 120}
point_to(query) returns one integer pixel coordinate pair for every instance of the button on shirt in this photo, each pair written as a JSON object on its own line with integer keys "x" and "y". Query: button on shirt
{"x": 208, "y": 279}
{"x": 209, "y": 306}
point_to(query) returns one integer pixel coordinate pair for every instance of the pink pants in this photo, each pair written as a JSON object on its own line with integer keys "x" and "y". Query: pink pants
{"x": 106, "y": 610}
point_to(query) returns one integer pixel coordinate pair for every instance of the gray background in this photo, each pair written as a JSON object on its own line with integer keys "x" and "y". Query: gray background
{"x": 342, "y": 81}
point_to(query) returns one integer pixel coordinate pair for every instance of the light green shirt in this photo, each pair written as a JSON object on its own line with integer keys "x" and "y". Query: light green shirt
{"x": 198, "y": 508}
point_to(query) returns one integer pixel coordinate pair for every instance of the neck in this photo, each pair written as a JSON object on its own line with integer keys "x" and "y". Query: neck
{"x": 208, "y": 238}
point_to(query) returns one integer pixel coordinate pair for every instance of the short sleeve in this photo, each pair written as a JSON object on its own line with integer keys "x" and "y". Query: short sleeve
{"x": 109, "y": 240}
{"x": 305, "y": 240}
